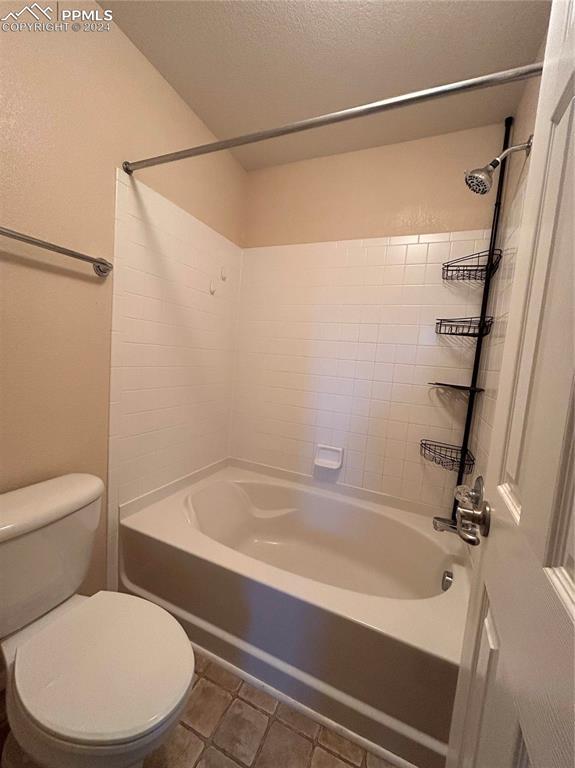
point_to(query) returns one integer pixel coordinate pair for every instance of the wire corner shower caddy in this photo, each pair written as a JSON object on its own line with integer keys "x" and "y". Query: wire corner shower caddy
{"x": 458, "y": 387}
{"x": 472, "y": 267}
{"x": 464, "y": 326}
{"x": 447, "y": 456}
{"x": 476, "y": 266}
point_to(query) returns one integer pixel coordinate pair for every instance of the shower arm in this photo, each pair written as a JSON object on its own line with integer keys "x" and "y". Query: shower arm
{"x": 363, "y": 110}
{"x": 525, "y": 147}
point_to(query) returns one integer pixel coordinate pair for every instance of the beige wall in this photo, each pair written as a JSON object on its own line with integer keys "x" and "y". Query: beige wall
{"x": 523, "y": 127}
{"x": 74, "y": 106}
{"x": 413, "y": 187}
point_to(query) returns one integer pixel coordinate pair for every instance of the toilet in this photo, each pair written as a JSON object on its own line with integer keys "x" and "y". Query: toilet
{"x": 90, "y": 681}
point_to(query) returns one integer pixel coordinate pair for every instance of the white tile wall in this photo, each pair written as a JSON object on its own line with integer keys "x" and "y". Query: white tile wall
{"x": 172, "y": 343}
{"x": 336, "y": 345}
{"x": 330, "y": 343}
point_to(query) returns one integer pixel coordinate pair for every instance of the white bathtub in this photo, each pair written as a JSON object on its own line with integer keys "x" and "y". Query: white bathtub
{"x": 334, "y": 601}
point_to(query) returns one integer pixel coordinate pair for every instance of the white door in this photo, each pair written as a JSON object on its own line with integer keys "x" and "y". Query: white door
{"x": 514, "y": 705}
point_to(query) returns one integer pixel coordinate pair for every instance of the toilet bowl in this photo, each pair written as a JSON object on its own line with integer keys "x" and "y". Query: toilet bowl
{"x": 92, "y": 682}
{"x": 101, "y": 684}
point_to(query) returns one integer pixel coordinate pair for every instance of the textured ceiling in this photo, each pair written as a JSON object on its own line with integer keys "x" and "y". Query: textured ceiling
{"x": 244, "y": 65}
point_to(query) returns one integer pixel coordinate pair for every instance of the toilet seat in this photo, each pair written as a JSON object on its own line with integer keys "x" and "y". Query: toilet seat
{"x": 109, "y": 671}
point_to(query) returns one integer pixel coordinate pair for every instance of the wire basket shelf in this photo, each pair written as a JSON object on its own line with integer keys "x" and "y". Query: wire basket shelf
{"x": 471, "y": 267}
{"x": 458, "y": 387}
{"x": 446, "y": 455}
{"x": 463, "y": 326}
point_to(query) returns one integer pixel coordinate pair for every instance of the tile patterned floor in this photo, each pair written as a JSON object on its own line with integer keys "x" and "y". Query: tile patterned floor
{"x": 230, "y": 724}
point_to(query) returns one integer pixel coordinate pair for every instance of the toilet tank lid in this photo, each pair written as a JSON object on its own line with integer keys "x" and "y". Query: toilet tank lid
{"x": 35, "y": 506}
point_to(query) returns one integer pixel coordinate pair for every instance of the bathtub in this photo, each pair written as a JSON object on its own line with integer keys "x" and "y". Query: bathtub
{"x": 334, "y": 601}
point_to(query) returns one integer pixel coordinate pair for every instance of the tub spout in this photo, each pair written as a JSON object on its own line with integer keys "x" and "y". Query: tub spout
{"x": 464, "y": 529}
{"x": 444, "y": 524}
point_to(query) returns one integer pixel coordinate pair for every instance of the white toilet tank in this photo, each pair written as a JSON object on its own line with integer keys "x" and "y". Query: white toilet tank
{"x": 47, "y": 535}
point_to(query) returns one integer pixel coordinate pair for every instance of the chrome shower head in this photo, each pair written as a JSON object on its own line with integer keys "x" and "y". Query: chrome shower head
{"x": 480, "y": 180}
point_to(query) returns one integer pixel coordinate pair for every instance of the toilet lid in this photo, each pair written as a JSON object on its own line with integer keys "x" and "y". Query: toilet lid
{"x": 108, "y": 671}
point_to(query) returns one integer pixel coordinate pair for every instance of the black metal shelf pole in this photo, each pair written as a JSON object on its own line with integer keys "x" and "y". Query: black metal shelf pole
{"x": 483, "y": 313}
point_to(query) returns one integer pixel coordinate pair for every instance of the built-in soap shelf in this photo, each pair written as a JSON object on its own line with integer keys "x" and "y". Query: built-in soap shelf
{"x": 328, "y": 457}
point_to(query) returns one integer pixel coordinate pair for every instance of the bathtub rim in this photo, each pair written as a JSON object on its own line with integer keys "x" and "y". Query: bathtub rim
{"x": 127, "y": 508}
{"x": 414, "y": 622}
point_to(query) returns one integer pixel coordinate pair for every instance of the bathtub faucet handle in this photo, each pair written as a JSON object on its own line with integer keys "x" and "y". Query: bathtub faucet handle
{"x": 473, "y": 520}
{"x": 472, "y": 516}
{"x": 471, "y": 497}
{"x": 467, "y": 531}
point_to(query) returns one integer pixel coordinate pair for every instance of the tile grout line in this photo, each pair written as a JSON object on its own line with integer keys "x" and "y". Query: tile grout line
{"x": 272, "y": 718}
{"x": 208, "y": 741}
